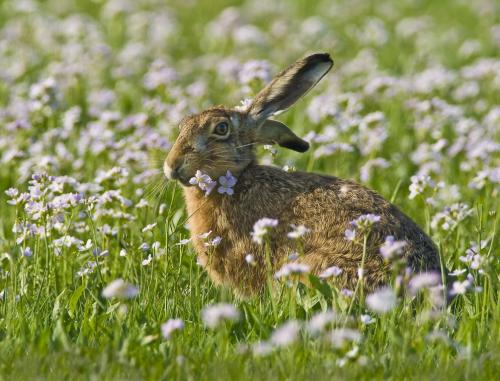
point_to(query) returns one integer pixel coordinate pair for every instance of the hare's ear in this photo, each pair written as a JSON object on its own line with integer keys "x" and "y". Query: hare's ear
{"x": 289, "y": 85}
{"x": 274, "y": 132}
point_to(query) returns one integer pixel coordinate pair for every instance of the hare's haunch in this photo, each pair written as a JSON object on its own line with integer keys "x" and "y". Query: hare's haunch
{"x": 222, "y": 139}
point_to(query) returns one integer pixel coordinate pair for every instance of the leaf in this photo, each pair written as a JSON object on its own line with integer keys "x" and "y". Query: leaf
{"x": 321, "y": 286}
{"x": 73, "y": 301}
{"x": 57, "y": 306}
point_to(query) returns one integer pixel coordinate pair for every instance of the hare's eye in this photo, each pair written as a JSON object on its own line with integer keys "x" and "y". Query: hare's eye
{"x": 221, "y": 129}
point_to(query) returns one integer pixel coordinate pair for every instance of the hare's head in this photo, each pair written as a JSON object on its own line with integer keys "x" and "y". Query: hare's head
{"x": 221, "y": 139}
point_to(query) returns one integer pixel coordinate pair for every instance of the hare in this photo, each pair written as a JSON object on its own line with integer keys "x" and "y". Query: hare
{"x": 220, "y": 139}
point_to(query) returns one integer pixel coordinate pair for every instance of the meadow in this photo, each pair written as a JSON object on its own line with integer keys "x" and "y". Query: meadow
{"x": 98, "y": 279}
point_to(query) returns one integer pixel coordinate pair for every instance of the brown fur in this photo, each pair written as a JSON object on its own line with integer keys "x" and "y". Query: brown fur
{"x": 324, "y": 204}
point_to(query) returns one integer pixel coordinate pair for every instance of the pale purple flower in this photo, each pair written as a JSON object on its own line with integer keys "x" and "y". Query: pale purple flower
{"x": 332, "y": 271}
{"x": 424, "y": 280}
{"x": 367, "y": 319}
{"x": 26, "y": 252}
{"x": 214, "y": 242}
{"x": 120, "y": 289}
{"x": 365, "y": 221}
{"x": 320, "y": 321}
{"x": 346, "y": 292}
{"x": 203, "y": 181}
{"x": 215, "y": 314}
{"x": 286, "y": 334}
{"x": 261, "y": 229}
{"x": 340, "y": 337}
{"x": 170, "y": 326}
{"x": 382, "y": 300}
{"x": 294, "y": 268}
{"x": 391, "y": 248}
{"x": 144, "y": 246}
{"x": 227, "y": 182}
{"x": 350, "y": 234}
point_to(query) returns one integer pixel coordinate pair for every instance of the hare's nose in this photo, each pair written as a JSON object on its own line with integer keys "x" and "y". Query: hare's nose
{"x": 170, "y": 173}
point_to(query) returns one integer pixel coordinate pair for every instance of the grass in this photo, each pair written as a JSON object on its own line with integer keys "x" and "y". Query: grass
{"x": 56, "y": 325}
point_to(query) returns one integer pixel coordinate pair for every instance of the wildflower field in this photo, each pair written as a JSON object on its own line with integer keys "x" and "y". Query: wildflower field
{"x": 98, "y": 277}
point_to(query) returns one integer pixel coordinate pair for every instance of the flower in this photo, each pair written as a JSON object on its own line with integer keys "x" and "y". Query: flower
{"x": 320, "y": 321}
{"x": 367, "y": 319}
{"x": 170, "y": 326}
{"x": 286, "y": 334}
{"x": 419, "y": 184}
{"x": 148, "y": 227}
{"x": 350, "y": 234}
{"x": 293, "y": 268}
{"x": 147, "y": 261}
{"x": 184, "y": 241}
{"x": 391, "y": 248}
{"x": 27, "y": 252}
{"x": 215, "y": 314}
{"x": 227, "y": 182}
{"x": 120, "y": 289}
{"x": 298, "y": 231}
{"x": 381, "y": 301}
{"x": 214, "y": 242}
{"x": 340, "y": 337}
{"x": 250, "y": 259}
{"x": 261, "y": 228}
{"x": 331, "y": 271}
{"x": 424, "y": 280}
{"x": 203, "y": 181}
{"x": 365, "y": 221}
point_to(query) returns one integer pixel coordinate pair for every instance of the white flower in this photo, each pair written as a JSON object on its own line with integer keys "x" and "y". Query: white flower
{"x": 147, "y": 261}
{"x": 204, "y": 235}
{"x": 261, "y": 228}
{"x": 460, "y": 287}
{"x": 292, "y": 269}
{"x": 250, "y": 259}
{"x": 298, "y": 231}
{"x": 216, "y": 314}
{"x": 381, "y": 301}
{"x": 419, "y": 184}
{"x": 286, "y": 334}
{"x": 87, "y": 246}
{"x": 123, "y": 253}
{"x": 331, "y": 271}
{"x": 120, "y": 289}
{"x": 184, "y": 241}
{"x": 244, "y": 105}
{"x": 227, "y": 182}
{"x": 148, "y": 227}
{"x": 171, "y": 326}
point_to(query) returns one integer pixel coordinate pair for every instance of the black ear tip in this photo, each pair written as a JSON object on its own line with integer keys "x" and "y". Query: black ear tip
{"x": 320, "y": 58}
{"x": 298, "y": 145}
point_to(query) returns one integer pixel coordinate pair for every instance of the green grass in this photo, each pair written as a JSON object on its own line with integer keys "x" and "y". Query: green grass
{"x": 56, "y": 325}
